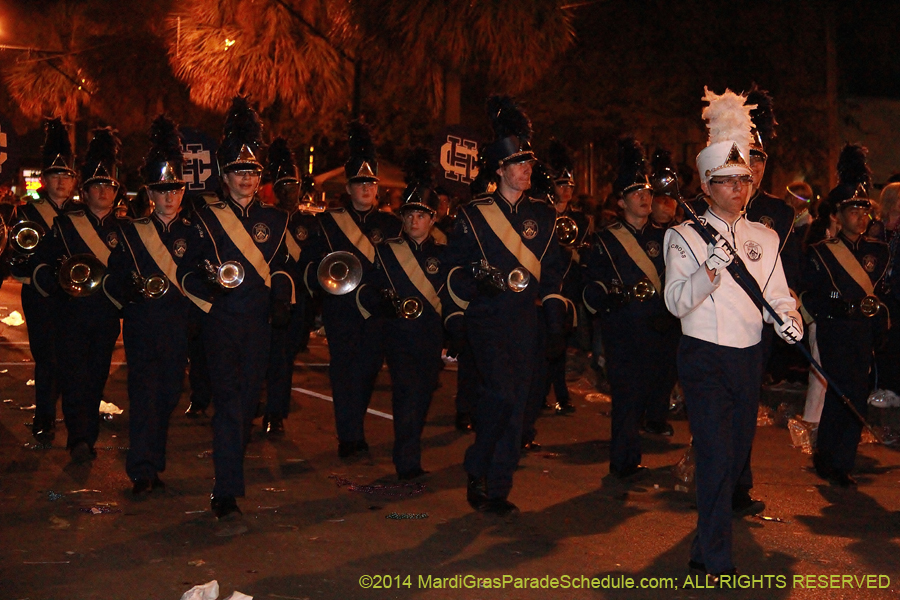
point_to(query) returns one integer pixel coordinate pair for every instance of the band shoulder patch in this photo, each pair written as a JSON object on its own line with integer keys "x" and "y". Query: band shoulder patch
{"x": 395, "y": 240}
{"x": 826, "y": 241}
{"x": 141, "y": 220}
{"x": 539, "y": 201}
{"x": 874, "y": 241}
{"x": 616, "y": 225}
{"x": 76, "y": 213}
{"x": 336, "y": 209}
{"x": 33, "y": 200}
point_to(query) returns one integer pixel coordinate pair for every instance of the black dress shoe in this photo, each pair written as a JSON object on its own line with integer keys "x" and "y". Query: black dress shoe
{"x": 464, "y": 421}
{"x": 43, "y": 429}
{"x": 716, "y": 579}
{"x": 348, "y": 449}
{"x": 658, "y": 428}
{"x": 476, "y": 492}
{"x": 273, "y": 425}
{"x": 142, "y": 486}
{"x": 224, "y": 507}
{"x": 564, "y": 407}
{"x": 413, "y": 474}
{"x": 532, "y": 446}
{"x": 194, "y": 411}
{"x": 742, "y": 505}
{"x": 841, "y": 479}
{"x": 629, "y": 472}
{"x": 499, "y": 506}
{"x": 82, "y": 452}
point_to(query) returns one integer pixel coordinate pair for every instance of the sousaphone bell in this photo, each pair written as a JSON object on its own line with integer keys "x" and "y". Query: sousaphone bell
{"x": 229, "y": 274}
{"x": 566, "y": 230}
{"x": 80, "y": 275}
{"x": 339, "y": 273}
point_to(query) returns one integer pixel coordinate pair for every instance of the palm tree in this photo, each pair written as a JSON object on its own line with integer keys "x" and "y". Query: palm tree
{"x": 286, "y": 56}
{"x": 437, "y": 42}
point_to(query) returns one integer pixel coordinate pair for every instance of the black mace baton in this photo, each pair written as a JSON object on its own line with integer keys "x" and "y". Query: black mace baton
{"x": 667, "y": 183}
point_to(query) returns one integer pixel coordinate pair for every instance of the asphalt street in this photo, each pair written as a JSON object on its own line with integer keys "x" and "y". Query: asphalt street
{"x": 316, "y": 527}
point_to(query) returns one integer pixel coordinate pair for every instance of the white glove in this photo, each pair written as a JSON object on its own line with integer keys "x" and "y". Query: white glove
{"x": 791, "y": 329}
{"x": 720, "y": 255}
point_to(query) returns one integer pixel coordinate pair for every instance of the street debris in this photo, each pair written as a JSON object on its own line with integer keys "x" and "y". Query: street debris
{"x": 196, "y": 563}
{"x": 404, "y": 516}
{"x": 14, "y": 319}
{"x": 108, "y": 408}
{"x": 59, "y": 523}
{"x": 378, "y": 489}
{"x": 803, "y": 434}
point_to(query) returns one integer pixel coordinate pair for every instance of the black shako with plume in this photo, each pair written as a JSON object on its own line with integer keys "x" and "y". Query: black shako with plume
{"x": 632, "y": 173}
{"x": 560, "y": 164}
{"x": 56, "y": 154}
{"x": 763, "y": 118}
{"x": 542, "y": 183}
{"x": 854, "y": 179}
{"x": 419, "y": 177}
{"x": 102, "y": 158}
{"x": 512, "y": 134}
{"x": 163, "y": 168}
{"x": 242, "y": 143}
{"x": 362, "y": 165}
{"x": 281, "y": 166}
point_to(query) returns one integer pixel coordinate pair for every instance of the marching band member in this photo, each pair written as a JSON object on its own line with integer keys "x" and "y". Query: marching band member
{"x": 844, "y": 290}
{"x": 503, "y": 259}
{"x": 720, "y": 355}
{"x": 625, "y": 271}
{"x": 356, "y": 344}
{"x": 235, "y": 261}
{"x": 33, "y": 222}
{"x": 88, "y": 324}
{"x": 142, "y": 278}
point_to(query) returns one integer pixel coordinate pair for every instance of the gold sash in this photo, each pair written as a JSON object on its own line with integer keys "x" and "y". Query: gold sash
{"x": 354, "y": 234}
{"x": 439, "y": 236}
{"x": 160, "y": 255}
{"x": 846, "y": 259}
{"x": 292, "y": 246}
{"x": 502, "y": 228}
{"x": 413, "y": 270}
{"x": 46, "y": 211}
{"x": 637, "y": 254}
{"x": 89, "y": 235}
{"x": 234, "y": 229}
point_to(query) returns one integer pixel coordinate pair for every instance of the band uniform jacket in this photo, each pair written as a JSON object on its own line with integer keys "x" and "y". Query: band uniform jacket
{"x": 720, "y": 311}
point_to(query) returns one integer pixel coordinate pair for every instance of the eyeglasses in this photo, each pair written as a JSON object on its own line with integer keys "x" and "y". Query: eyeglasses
{"x": 247, "y": 173}
{"x": 63, "y": 175}
{"x": 734, "y": 181}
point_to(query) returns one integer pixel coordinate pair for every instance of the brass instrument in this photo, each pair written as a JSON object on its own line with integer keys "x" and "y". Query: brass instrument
{"x": 152, "y": 287}
{"x": 229, "y": 274}
{"x": 407, "y": 308}
{"x": 566, "y": 230}
{"x": 339, "y": 273}
{"x": 869, "y": 306}
{"x": 518, "y": 279}
{"x": 24, "y": 237}
{"x": 80, "y": 275}
{"x": 643, "y": 290}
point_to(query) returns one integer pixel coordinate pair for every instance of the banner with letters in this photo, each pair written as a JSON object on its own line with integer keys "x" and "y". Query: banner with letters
{"x": 456, "y": 148}
{"x": 9, "y": 152}
{"x": 200, "y": 169}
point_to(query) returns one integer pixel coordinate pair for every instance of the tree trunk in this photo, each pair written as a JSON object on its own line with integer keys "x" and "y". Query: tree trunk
{"x": 452, "y": 93}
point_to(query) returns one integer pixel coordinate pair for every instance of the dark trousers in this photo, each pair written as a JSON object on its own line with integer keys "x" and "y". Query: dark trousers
{"x": 721, "y": 390}
{"x": 537, "y": 392}
{"x": 466, "y": 380}
{"x": 413, "y": 349}
{"x": 505, "y": 345}
{"x": 198, "y": 374}
{"x": 88, "y": 329}
{"x": 641, "y": 370}
{"x": 237, "y": 349}
{"x": 846, "y": 351}
{"x": 556, "y": 379}
{"x": 286, "y": 344}
{"x": 356, "y": 346}
{"x": 41, "y": 316}
{"x": 156, "y": 349}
